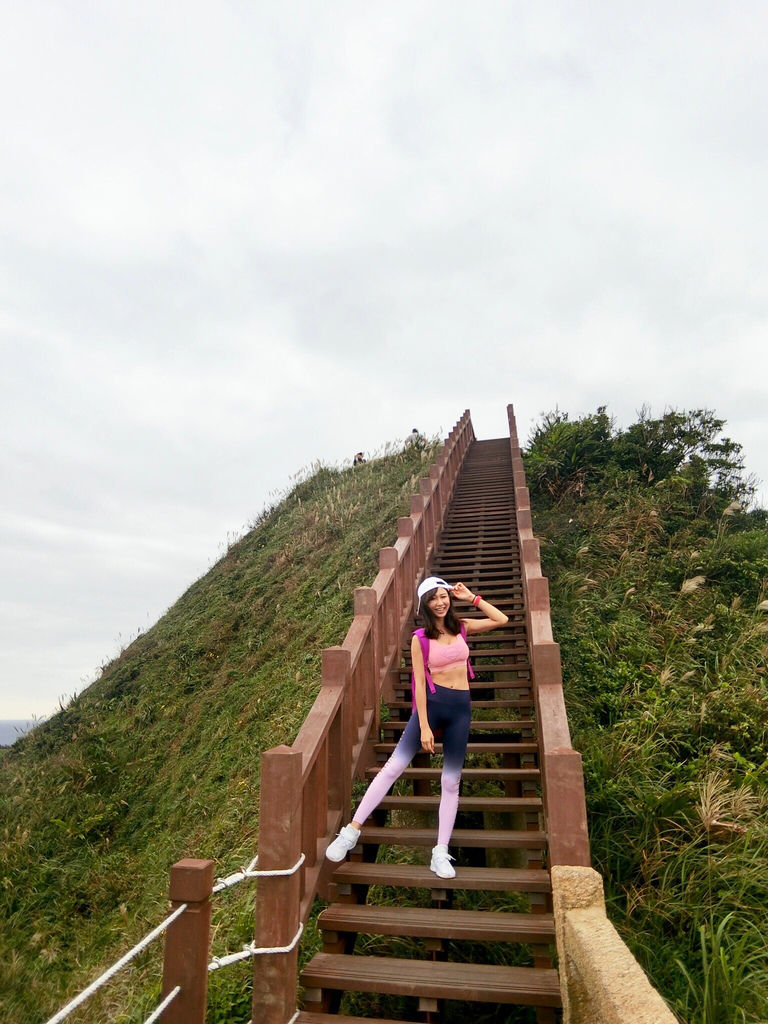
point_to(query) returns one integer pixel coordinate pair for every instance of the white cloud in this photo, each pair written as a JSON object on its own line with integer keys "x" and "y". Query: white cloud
{"x": 236, "y": 238}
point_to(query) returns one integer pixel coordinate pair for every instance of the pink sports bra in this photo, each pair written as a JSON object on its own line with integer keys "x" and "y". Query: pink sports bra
{"x": 442, "y": 656}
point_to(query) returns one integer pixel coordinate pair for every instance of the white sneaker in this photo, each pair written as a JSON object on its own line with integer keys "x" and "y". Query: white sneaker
{"x": 345, "y": 841}
{"x": 441, "y": 862}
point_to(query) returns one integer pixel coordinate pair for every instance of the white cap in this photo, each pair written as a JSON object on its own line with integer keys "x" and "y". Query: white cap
{"x": 431, "y": 583}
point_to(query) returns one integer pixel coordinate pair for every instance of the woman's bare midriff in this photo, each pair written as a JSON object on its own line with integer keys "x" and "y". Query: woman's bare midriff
{"x": 452, "y": 678}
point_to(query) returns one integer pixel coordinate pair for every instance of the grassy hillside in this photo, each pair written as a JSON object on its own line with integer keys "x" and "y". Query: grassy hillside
{"x": 659, "y": 580}
{"x": 159, "y": 758}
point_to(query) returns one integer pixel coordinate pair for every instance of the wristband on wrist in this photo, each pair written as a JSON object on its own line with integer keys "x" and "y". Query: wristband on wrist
{"x": 476, "y": 600}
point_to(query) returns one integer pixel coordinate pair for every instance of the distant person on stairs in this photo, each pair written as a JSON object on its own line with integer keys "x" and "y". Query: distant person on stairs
{"x": 417, "y": 440}
{"x": 441, "y": 701}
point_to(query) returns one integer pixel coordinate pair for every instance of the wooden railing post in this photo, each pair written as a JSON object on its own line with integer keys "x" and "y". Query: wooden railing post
{"x": 420, "y": 532}
{"x": 366, "y": 604}
{"x": 187, "y": 942}
{"x": 278, "y": 899}
{"x": 390, "y": 560}
{"x": 427, "y": 493}
{"x": 437, "y": 502}
{"x": 335, "y": 672}
{"x": 567, "y": 833}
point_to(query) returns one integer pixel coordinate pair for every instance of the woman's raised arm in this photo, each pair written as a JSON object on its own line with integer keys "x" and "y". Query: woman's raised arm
{"x": 493, "y": 617}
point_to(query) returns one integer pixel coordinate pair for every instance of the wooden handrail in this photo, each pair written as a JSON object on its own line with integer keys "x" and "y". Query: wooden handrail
{"x": 336, "y": 739}
{"x": 561, "y": 772}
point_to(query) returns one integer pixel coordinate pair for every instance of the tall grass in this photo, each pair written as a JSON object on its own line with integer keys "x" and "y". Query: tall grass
{"x": 732, "y": 969}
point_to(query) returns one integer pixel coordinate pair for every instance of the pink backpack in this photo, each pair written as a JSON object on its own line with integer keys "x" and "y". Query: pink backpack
{"x": 424, "y": 641}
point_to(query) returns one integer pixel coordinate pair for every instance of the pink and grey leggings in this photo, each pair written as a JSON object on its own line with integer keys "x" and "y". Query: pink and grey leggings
{"x": 449, "y": 710}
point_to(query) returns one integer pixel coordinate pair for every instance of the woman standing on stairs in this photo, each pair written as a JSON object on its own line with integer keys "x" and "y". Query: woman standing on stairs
{"x": 441, "y": 701}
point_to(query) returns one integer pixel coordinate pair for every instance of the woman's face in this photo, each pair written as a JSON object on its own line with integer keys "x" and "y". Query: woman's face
{"x": 439, "y": 603}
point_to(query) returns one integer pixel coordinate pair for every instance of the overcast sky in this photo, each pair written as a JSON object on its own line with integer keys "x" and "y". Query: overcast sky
{"x": 236, "y": 237}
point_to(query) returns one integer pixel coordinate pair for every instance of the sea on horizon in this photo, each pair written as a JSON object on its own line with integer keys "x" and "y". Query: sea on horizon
{"x": 12, "y": 728}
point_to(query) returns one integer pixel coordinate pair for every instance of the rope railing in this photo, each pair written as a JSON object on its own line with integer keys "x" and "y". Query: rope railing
{"x": 246, "y": 873}
{"x": 243, "y": 875}
{"x": 159, "y": 1010}
{"x": 252, "y": 950}
{"x": 110, "y": 972}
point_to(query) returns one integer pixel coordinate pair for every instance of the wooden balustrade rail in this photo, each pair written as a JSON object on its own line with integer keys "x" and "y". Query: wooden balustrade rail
{"x": 561, "y": 773}
{"x": 335, "y": 741}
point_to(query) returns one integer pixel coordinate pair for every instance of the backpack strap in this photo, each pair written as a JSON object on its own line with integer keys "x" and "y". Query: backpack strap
{"x": 424, "y": 643}
{"x": 470, "y": 672}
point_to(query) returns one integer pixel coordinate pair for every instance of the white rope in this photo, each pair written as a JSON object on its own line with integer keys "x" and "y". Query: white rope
{"x": 251, "y": 951}
{"x": 249, "y": 872}
{"x": 163, "y": 1006}
{"x": 111, "y": 971}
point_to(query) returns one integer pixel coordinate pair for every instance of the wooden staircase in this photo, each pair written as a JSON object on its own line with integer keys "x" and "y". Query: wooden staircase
{"x": 499, "y": 841}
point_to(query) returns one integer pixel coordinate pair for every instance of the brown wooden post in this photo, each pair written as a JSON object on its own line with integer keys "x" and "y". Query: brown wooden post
{"x": 567, "y": 815}
{"x": 427, "y": 493}
{"x": 511, "y": 419}
{"x": 187, "y": 942}
{"x": 277, "y": 899}
{"x": 315, "y": 814}
{"x": 405, "y": 526}
{"x": 390, "y": 560}
{"x": 451, "y": 453}
{"x": 438, "y": 503}
{"x": 419, "y": 533}
{"x": 366, "y": 604}
{"x": 335, "y": 672}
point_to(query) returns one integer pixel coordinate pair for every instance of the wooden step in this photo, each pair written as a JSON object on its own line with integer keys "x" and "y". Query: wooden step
{"x": 510, "y": 632}
{"x": 500, "y": 804}
{"x": 501, "y": 705}
{"x": 470, "y": 774}
{"x": 429, "y": 922}
{"x": 476, "y": 725}
{"x": 483, "y": 983}
{"x": 480, "y": 654}
{"x": 474, "y": 748}
{"x": 522, "y": 682}
{"x": 505, "y": 635}
{"x": 308, "y": 1017}
{"x": 497, "y": 839}
{"x": 418, "y": 876}
{"x": 513, "y": 658}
